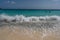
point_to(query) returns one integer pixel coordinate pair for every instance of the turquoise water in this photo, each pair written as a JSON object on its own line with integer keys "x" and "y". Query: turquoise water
{"x": 27, "y": 12}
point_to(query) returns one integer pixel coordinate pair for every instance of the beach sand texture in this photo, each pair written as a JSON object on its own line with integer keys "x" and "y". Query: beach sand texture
{"x": 25, "y": 33}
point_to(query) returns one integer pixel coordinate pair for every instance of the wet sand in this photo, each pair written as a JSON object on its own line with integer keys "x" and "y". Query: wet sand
{"x": 25, "y": 33}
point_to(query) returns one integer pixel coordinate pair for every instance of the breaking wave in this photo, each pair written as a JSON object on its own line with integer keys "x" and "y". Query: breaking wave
{"x": 21, "y": 18}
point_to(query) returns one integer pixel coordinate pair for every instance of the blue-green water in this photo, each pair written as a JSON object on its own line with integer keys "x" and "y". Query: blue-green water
{"x": 30, "y": 12}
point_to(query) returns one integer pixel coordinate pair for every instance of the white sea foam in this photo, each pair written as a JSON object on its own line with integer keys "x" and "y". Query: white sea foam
{"x": 21, "y": 18}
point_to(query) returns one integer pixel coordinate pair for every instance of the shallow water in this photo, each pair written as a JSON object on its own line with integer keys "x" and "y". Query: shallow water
{"x": 30, "y": 31}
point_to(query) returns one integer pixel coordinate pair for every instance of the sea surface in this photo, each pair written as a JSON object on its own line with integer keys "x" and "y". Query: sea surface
{"x": 29, "y": 24}
{"x": 30, "y": 12}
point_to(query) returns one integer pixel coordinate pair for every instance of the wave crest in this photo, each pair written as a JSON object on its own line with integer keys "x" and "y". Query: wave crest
{"x": 21, "y": 18}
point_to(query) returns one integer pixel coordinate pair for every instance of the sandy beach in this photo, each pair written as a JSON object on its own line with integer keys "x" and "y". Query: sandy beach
{"x": 19, "y": 32}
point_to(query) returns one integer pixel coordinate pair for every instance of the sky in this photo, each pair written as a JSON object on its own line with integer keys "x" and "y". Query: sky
{"x": 30, "y": 4}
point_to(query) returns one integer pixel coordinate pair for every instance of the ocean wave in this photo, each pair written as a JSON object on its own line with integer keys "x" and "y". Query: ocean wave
{"x": 21, "y": 18}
